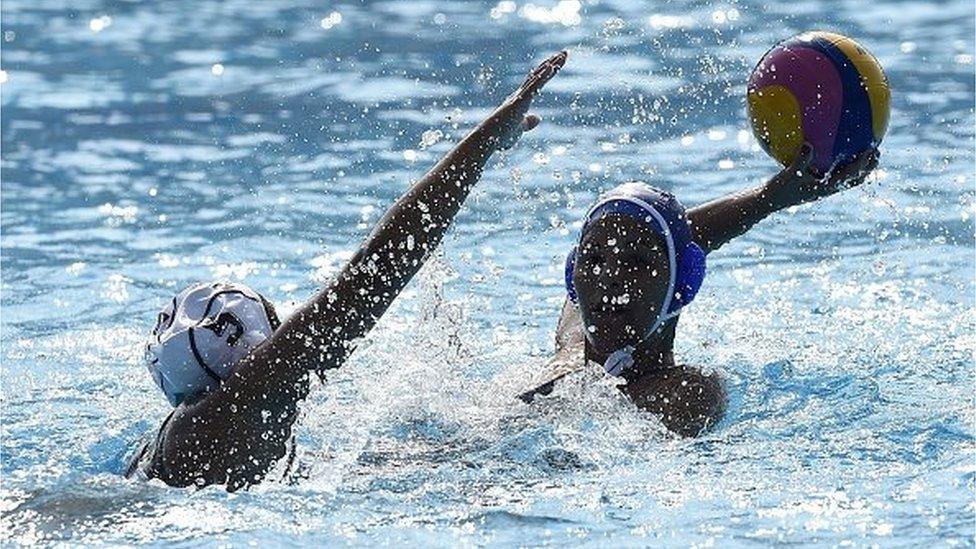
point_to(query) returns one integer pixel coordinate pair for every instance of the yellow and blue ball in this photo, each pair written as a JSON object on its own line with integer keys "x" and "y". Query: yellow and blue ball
{"x": 821, "y": 88}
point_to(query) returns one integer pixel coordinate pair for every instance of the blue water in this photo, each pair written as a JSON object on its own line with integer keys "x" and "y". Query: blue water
{"x": 150, "y": 145}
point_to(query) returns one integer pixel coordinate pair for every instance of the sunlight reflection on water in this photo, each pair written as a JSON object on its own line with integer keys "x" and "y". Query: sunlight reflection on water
{"x": 147, "y": 146}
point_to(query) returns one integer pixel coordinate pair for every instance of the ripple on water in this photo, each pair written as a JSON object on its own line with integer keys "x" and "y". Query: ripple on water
{"x": 151, "y": 145}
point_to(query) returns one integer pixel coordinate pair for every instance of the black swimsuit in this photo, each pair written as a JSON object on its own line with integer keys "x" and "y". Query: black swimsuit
{"x": 147, "y": 463}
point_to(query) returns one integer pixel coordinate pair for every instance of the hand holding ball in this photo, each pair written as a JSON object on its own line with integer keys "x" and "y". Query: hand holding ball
{"x": 823, "y": 89}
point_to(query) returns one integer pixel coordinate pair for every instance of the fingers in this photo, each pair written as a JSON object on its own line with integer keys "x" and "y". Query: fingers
{"x": 509, "y": 121}
{"x": 854, "y": 172}
{"x": 873, "y": 162}
{"x": 839, "y": 176}
{"x": 530, "y": 122}
{"x": 869, "y": 164}
{"x": 866, "y": 162}
{"x": 874, "y": 157}
{"x": 803, "y": 159}
{"x": 542, "y": 74}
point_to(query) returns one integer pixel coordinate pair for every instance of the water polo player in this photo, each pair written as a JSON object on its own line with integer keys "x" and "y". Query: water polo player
{"x": 236, "y": 374}
{"x": 640, "y": 258}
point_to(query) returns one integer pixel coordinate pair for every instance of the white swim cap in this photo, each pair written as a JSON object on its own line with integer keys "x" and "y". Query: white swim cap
{"x": 202, "y": 333}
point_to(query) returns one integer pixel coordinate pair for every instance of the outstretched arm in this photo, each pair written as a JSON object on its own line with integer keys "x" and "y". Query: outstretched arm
{"x": 319, "y": 334}
{"x": 719, "y": 221}
{"x": 235, "y": 433}
{"x": 713, "y": 224}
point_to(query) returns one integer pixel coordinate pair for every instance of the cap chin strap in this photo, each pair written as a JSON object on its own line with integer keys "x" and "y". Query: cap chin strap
{"x": 619, "y": 360}
{"x": 622, "y": 359}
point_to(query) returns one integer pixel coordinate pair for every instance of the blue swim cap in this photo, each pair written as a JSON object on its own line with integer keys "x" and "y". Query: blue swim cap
{"x": 664, "y": 215}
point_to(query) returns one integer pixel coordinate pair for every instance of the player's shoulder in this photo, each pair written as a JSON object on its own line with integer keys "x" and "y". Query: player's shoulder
{"x": 569, "y": 330}
{"x": 137, "y": 466}
{"x": 146, "y": 463}
{"x": 688, "y": 399}
{"x": 567, "y": 360}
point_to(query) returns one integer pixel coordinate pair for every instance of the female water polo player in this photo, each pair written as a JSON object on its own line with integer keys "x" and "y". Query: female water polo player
{"x": 236, "y": 375}
{"x": 640, "y": 258}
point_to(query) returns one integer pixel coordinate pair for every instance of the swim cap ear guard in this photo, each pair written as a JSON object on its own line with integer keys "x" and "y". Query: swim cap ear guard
{"x": 691, "y": 274}
{"x": 570, "y": 265}
{"x": 202, "y": 333}
{"x": 664, "y": 215}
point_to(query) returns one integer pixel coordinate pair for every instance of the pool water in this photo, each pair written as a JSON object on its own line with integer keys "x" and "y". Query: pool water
{"x": 150, "y": 145}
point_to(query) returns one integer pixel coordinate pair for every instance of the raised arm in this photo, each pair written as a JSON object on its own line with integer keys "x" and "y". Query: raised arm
{"x": 404, "y": 237}
{"x": 235, "y": 433}
{"x": 719, "y": 221}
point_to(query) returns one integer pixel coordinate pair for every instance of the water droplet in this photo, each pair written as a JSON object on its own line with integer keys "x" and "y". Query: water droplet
{"x": 98, "y": 24}
{"x": 503, "y": 8}
{"x": 331, "y": 20}
{"x": 430, "y": 137}
{"x": 658, "y": 21}
{"x": 716, "y": 134}
{"x": 566, "y": 13}
{"x": 613, "y": 26}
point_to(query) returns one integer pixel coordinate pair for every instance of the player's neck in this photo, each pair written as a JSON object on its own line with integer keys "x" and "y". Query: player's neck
{"x": 654, "y": 353}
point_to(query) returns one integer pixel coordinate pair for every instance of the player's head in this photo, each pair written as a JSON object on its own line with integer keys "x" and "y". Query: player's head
{"x": 202, "y": 333}
{"x": 635, "y": 266}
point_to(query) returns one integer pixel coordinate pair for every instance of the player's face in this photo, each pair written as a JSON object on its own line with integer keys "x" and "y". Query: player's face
{"x": 621, "y": 278}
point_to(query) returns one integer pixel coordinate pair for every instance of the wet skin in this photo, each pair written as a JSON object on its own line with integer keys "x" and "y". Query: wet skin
{"x": 236, "y": 433}
{"x": 622, "y": 275}
{"x": 621, "y": 278}
{"x": 686, "y": 400}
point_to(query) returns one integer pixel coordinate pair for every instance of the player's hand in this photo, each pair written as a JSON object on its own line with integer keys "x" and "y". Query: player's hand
{"x": 798, "y": 184}
{"x": 510, "y": 120}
